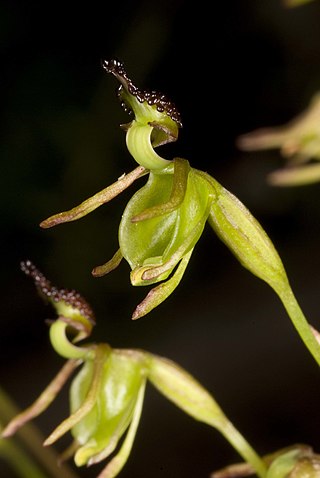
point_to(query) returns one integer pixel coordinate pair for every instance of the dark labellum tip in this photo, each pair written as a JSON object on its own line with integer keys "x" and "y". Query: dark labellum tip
{"x": 52, "y": 293}
{"x": 113, "y": 66}
{"x": 153, "y": 98}
{"x": 30, "y": 270}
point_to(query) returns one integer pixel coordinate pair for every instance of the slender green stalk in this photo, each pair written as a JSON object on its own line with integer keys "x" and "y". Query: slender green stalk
{"x": 33, "y": 440}
{"x": 18, "y": 460}
{"x": 184, "y": 391}
{"x": 299, "y": 321}
{"x": 244, "y": 449}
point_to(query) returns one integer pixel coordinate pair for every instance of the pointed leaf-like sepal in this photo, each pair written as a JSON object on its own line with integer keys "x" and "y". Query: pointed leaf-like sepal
{"x": 246, "y": 238}
{"x": 248, "y": 241}
{"x": 95, "y": 201}
{"x": 184, "y": 391}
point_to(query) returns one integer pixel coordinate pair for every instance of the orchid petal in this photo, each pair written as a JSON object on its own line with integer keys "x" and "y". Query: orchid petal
{"x": 95, "y": 201}
{"x": 43, "y": 401}
{"x": 158, "y": 294}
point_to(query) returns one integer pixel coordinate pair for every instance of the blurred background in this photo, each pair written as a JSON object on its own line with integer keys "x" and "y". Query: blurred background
{"x": 245, "y": 65}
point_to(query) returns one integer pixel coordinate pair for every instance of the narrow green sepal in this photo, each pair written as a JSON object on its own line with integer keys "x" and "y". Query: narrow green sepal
{"x": 245, "y": 237}
{"x": 109, "y": 266}
{"x": 43, "y": 401}
{"x": 102, "y": 352}
{"x": 95, "y": 201}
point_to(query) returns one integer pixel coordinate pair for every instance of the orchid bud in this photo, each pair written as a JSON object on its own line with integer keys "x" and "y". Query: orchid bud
{"x": 299, "y": 462}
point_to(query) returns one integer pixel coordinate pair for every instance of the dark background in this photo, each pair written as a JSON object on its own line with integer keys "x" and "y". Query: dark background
{"x": 244, "y": 65}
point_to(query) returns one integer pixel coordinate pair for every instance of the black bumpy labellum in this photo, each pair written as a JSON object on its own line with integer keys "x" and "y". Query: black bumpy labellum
{"x": 52, "y": 293}
{"x": 153, "y": 98}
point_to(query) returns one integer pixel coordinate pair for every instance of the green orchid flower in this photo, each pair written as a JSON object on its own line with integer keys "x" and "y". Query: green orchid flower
{"x": 164, "y": 220}
{"x": 297, "y": 461}
{"x": 299, "y": 144}
{"x": 106, "y": 396}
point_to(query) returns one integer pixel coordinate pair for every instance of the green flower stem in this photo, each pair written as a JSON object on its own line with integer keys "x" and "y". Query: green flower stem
{"x": 299, "y": 321}
{"x": 244, "y": 449}
{"x": 189, "y": 395}
{"x": 248, "y": 241}
{"x": 33, "y": 440}
{"x": 19, "y": 460}
{"x": 62, "y": 344}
